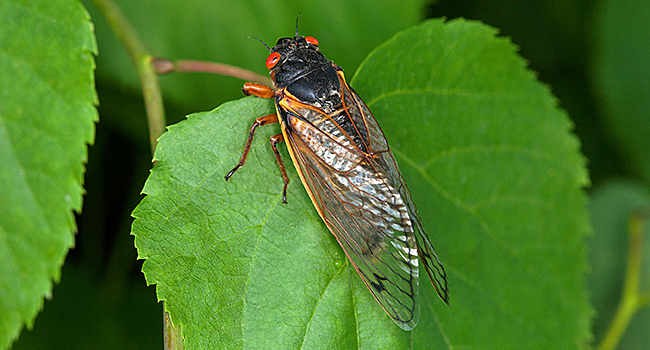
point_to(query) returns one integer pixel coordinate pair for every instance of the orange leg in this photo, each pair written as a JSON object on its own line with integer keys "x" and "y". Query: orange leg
{"x": 258, "y": 90}
{"x": 263, "y": 91}
{"x": 267, "y": 119}
{"x": 274, "y": 141}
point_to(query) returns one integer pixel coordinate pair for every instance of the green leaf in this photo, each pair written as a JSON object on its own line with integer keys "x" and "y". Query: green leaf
{"x": 216, "y": 30}
{"x": 47, "y": 117}
{"x": 612, "y": 206}
{"x": 622, "y": 77}
{"x": 495, "y": 173}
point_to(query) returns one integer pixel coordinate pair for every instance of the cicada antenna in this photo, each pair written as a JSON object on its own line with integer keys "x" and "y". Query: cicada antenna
{"x": 297, "y": 17}
{"x": 252, "y": 37}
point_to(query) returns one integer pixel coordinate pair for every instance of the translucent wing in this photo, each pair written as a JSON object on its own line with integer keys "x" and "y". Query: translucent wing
{"x": 346, "y": 165}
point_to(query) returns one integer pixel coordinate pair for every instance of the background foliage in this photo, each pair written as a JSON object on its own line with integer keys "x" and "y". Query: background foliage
{"x": 593, "y": 54}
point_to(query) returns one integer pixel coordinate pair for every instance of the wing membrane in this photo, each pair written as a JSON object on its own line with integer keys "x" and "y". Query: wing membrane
{"x": 355, "y": 184}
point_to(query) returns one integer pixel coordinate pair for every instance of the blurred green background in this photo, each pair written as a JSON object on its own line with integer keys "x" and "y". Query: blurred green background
{"x": 595, "y": 55}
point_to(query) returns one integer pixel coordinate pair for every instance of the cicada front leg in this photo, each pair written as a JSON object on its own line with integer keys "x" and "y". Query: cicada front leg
{"x": 274, "y": 141}
{"x": 267, "y": 119}
{"x": 263, "y": 91}
{"x": 258, "y": 90}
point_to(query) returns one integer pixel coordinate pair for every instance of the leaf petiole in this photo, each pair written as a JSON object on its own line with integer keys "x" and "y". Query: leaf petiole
{"x": 632, "y": 300}
{"x": 165, "y": 66}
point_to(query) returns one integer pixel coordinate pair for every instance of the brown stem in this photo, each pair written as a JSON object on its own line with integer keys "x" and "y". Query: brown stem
{"x": 165, "y": 66}
{"x": 172, "y": 334}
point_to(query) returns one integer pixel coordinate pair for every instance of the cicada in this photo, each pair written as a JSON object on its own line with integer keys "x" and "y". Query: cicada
{"x": 350, "y": 174}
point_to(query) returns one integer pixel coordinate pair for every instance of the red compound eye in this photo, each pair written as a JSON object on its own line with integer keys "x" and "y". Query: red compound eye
{"x": 272, "y": 60}
{"x": 311, "y": 40}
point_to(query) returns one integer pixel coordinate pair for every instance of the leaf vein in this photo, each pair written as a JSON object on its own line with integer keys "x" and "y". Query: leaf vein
{"x": 311, "y": 317}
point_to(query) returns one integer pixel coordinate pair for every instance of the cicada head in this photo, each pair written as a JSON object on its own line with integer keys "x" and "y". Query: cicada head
{"x": 292, "y": 58}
